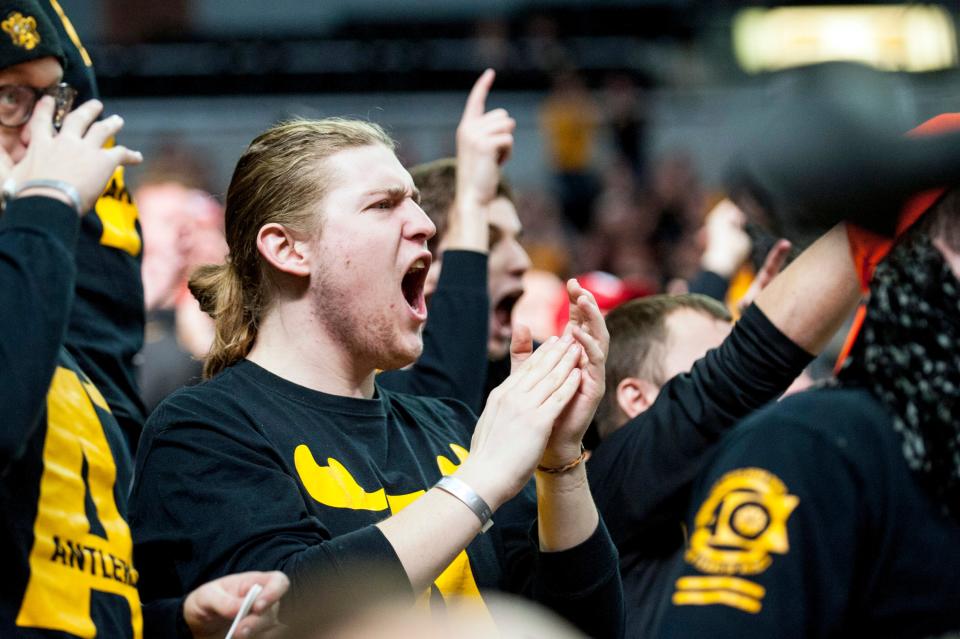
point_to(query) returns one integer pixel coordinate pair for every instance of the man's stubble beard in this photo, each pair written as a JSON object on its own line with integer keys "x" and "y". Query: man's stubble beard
{"x": 369, "y": 338}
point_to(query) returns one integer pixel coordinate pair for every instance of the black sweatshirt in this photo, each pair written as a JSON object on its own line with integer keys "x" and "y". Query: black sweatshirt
{"x": 249, "y": 471}
{"x": 64, "y": 463}
{"x": 454, "y": 359}
{"x": 808, "y": 523}
{"x": 642, "y": 473}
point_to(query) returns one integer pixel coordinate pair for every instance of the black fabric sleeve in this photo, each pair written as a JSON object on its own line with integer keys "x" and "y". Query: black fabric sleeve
{"x": 710, "y": 284}
{"x": 658, "y": 453}
{"x": 209, "y": 501}
{"x": 163, "y": 619}
{"x": 777, "y": 527}
{"x": 107, "y": 320}
{"x": 581, "y": 584}
{"x": 37, "y": 240}
{"x": 454, "y": 359}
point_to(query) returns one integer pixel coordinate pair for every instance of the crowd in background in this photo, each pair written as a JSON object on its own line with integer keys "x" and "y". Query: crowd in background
{"x": 229, "y": 409}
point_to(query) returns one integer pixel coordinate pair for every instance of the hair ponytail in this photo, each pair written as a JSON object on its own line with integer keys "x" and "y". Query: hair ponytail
{"x": 220, "y": 293}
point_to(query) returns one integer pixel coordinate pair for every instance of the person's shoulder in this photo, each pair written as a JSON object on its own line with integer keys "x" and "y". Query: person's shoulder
{"x": 848, "y": 421}
{"x": 209, "y": 402}
{"x": 830, "y": 408}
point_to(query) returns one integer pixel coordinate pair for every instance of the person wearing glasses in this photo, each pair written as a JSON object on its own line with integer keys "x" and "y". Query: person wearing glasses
{"x": 64, "y": 464}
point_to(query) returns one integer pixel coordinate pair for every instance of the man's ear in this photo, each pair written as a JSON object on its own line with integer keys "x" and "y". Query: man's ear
{"x": 635, "y": 395}
{"x": 283, "y": 249}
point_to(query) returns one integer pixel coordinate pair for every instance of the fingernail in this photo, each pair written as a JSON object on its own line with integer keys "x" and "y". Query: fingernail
{"x": 567, "y": 339}
{"x": 553, "y": 338}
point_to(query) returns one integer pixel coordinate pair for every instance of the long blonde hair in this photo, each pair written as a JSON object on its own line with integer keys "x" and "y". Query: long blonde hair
{"x": 278, "y": 179}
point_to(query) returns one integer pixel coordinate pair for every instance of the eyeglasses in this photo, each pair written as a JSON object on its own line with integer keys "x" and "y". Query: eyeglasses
{"x": 17, "y": 102}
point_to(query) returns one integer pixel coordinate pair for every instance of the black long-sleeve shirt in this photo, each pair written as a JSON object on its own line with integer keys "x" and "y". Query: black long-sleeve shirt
{"x": 249, "y": 471}
{"x": 809, "y": 523}
{"x": 64, "y": 463}
{"x": 642, "y": 473}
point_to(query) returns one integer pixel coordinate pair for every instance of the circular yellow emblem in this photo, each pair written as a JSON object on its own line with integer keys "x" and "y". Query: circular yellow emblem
{"x": 742, "y": 521}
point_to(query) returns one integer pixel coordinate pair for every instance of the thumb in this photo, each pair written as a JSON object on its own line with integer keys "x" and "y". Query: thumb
{"x": 215, "y": 601}
{"x": 6, "y": 165}
{"x": 521, "y": 346}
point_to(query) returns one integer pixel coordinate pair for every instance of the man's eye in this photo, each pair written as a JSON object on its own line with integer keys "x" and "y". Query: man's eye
{"x": 8, "y": 98}
{"x": 383, "y": 205}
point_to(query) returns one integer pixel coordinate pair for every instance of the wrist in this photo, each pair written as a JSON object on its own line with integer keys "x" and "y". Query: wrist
{"x": 484, "y": 483}
{"x": 43, "y": 191}
{"x": 467, "y": 228}
{"x": 569, "y": 481}
{"x": 54, "y": 189}
{"x": 561, "y": 455}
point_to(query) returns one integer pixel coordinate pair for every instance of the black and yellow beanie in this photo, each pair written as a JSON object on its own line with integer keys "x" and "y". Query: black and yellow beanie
{"x": 26, "y": 33}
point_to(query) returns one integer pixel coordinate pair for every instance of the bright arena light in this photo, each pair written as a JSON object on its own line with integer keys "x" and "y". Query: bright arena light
{"x": 892, "y": 37}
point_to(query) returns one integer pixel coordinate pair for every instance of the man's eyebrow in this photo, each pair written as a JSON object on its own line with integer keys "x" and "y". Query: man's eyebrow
{"x": 398, "y": 193}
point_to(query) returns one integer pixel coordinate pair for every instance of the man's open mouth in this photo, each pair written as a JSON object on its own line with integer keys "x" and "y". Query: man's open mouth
{"x": 503, "y": 310}
{"x": 412, "y": 286}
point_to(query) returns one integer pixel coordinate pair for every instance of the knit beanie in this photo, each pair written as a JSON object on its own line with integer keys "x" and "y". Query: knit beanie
{"x": 26, "y": 34}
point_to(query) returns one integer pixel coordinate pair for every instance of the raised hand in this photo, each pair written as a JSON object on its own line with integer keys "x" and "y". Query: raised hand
{"x": 727, "y": 243}
{"x": 587, "y": 326}
{"x": 209, "y": 610}
{"x": 484, "y": 142}
{"x": 75, "y": 155}
{"x": 519, "y": 418}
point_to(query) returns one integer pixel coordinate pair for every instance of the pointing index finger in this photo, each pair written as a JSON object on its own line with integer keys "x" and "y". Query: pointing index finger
{"x": 477, "y": 100}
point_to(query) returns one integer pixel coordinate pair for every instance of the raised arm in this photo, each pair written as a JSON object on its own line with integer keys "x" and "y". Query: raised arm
{"x": 813, "y": 296}
{"x": 645, "y": 469}
{"x": 454, "y": 359}
{"x": 37, "y": 237}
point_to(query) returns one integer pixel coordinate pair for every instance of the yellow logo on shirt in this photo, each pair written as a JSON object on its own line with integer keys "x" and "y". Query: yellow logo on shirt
{"x": 74, "y": 555}
{"x": 735, "y": 592}
{"x": 334, "y": 485}
{"x": 22, "y": 30}
{"x": 118, "y": 215}
{"x": 741, "y": 523}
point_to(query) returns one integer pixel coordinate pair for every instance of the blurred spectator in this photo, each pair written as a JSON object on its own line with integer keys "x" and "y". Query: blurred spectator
{"x": 545, "y": 305}
{"x": 569, "y": 119}
{"x": 182, "y": 228}
{"x": 539, "y": 307}
{"x": 677, "y": 198}
{"x": 547, "y": 242}
{"x": 620, "y": 239}
{"x": 543, "y": 44}
{"x": 626, "y": 116}
{"x": 493, "y": 43}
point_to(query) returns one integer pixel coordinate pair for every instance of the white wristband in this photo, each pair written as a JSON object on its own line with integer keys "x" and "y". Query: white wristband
{"x": 12, "y": 190}
{"x": 473, "y": 501}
